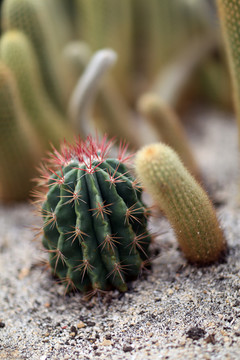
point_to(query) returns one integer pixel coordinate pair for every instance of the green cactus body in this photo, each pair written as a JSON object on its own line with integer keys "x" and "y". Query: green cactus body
{"x": 19, "y": 148}
{"x": 16, "y": 52}
{"x": 229, "y": 13}
{"x": 32, "y": 18}
{"x": 94, "y": 219}
{"x": 183, "y": 201}
{"x": 61, "y": 23}
{"x": 213, "y": 83}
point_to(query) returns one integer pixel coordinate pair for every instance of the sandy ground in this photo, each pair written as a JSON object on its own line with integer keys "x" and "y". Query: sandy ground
{"x": 177, "y": 311}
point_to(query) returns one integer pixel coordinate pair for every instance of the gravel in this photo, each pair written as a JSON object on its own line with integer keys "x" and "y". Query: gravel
{"x": 176, "y": 311}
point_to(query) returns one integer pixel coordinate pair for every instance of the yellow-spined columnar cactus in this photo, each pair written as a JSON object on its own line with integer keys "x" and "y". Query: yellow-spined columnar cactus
{"x": 229, "y": 14}
{"x": 184, "y": 202}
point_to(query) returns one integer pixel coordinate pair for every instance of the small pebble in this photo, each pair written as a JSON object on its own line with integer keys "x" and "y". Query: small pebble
{"x": 106, "y": 342}
{"x": 195, "y": 333}
{"x": 81, "y": 325}
{"x": 127, "y": 348}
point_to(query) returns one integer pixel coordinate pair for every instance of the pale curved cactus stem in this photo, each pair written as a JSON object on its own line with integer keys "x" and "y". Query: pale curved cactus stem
{"x": 112, "y": 115}
{"x": 168, "y": 128}
{"x": 229, "y": 14}
{"x": 184, "y": 202}
{"x": 85, "y": 91}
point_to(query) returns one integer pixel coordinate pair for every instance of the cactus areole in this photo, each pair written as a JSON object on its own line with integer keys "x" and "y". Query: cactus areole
{"x": 94, "y": 220}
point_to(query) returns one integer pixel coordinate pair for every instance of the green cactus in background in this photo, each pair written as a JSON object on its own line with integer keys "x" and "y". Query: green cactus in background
{"x": 145, "y": 35}
{"x": 62, "y": 28}
{"x": 168, "y": 128}
{"x": 94, "y": 220}
{"x": 229, "y": 14}
{"x": 105, "y": 23}
{"x": 35, "y": 48}
{"x": 212, "y": 83}
{"x": 16, "y": 52}
{"x": 20, "y": 151}
{"x": 183, "y": 201}
{"x": 32, "y": 18}
{"x": 112, "y": 115}
{"x": 75, "y": 56}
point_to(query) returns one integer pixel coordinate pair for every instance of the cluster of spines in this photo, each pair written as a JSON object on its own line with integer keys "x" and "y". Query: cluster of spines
{"x": 94, "y": 220}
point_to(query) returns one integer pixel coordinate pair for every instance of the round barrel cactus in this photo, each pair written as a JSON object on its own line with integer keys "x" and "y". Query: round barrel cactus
{"x": 95, "y": 223}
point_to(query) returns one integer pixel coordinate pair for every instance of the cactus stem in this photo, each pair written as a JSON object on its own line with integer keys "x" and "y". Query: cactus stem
{"x": 95, "y": 229}
{"x": 183, "y": 201}
{"x": 85, "y": 91}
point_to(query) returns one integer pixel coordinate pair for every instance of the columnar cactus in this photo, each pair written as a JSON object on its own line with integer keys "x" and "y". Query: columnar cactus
{"x": 145, "y": 34}
{"x": 19, "y": 147}
{"x": 94, "y": 220}
{"x": 16, "y": 52}
{"x": 229, "y": 13}
{"x": 168, "y": 128}
{"x": 183, "y": 201}
{"x": 32, "y": 18}
{"x": 104, "y": 23}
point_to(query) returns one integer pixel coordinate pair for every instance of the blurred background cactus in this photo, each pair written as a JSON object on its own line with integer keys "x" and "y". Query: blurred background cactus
{"x": 229, "y": 13}
{"x": 170, "y": 48}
